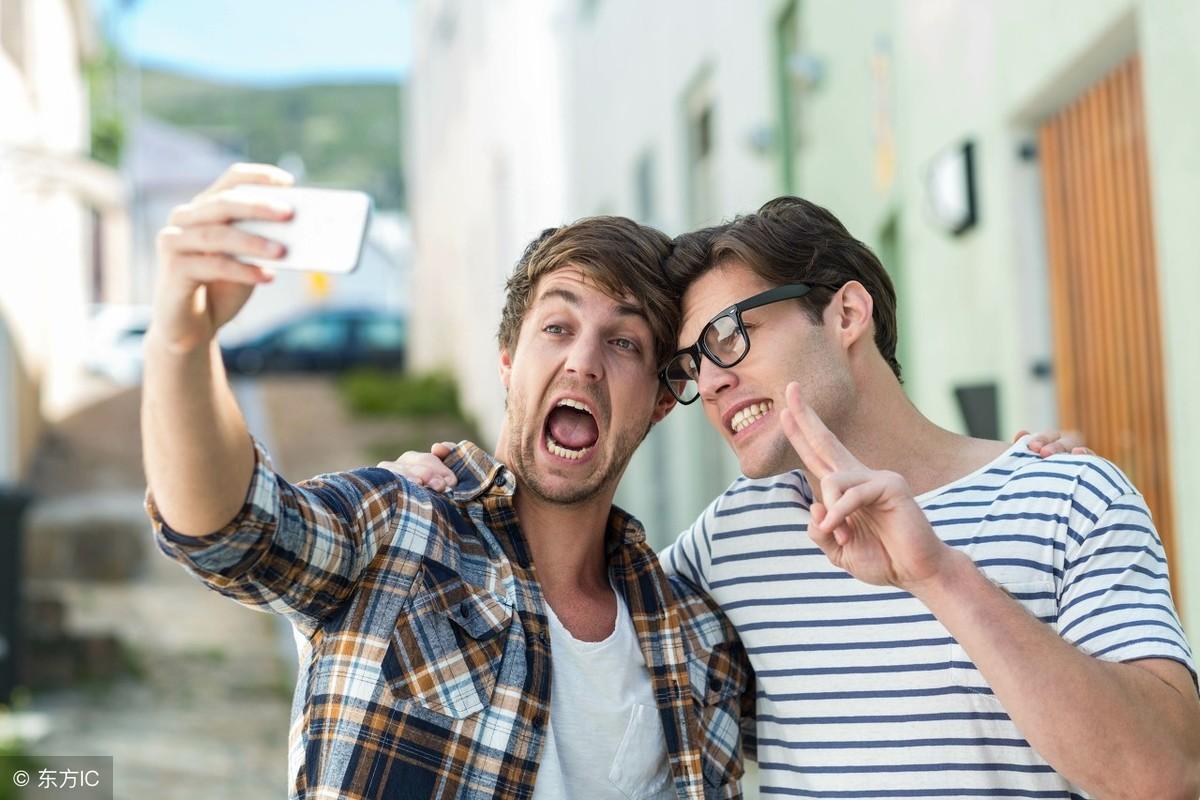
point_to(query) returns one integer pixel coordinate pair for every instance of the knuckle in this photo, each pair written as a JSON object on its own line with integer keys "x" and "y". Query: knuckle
{"x": 168, "y": 236}
{"x": 179, "y": 212}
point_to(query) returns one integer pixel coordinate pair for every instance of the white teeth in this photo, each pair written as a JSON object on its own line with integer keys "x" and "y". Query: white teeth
{"x": 564, "y": 452}
{"x": 569, "y": 403}
{"x": 749, "y": 415}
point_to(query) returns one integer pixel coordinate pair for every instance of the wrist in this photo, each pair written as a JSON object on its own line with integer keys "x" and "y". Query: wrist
{"x": 954, "y": 573}
{"x": 158, "y": 341}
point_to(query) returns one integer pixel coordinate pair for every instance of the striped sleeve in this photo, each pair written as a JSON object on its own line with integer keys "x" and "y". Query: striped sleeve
{"x": 1116, "y": 595}
{"x": 690, "y": 556}
{"x": 297, "y": 550}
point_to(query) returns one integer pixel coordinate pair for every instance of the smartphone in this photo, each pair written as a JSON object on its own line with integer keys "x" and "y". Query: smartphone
{"x": 325, "y": 234}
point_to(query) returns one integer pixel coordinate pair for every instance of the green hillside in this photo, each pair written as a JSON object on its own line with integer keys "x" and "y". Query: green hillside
{"x": 347, "y": 134}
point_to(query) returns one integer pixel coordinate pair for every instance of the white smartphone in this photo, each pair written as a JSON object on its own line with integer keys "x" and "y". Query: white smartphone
{"x": 325, "y": 234}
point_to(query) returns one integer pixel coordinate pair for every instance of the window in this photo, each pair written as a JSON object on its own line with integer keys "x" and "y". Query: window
{"x": 787, "y": 48}
{"x": 701, "y": 154}
{"x": 588, "y": 9}
{"x": 316, "y": 334}
{"x": 381, "y": 334}
{"x": 97, "y": 265}
{"x": 643, "y": 180}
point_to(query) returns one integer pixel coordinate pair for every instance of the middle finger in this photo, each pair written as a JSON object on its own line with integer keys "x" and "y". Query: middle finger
{"x": 225, "y": 239}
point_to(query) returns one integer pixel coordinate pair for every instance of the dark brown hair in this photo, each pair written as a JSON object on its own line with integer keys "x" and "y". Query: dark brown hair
{"x": 790, "y": 240}
{"x": 623, "y": 258}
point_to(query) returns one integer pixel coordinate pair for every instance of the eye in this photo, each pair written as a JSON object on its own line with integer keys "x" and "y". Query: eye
{"x": 627, "y": 345}
{"x": 554, "y": 329}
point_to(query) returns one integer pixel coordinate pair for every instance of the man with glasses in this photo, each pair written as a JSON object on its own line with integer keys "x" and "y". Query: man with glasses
{"x": 928, "y": 615}
{"x": 516, "y": 639}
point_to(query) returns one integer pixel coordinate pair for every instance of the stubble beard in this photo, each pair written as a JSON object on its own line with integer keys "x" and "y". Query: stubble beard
{"x": 780, "y": 458}
{"x": 524, "y": 462}
{"x": 833, "y": 402}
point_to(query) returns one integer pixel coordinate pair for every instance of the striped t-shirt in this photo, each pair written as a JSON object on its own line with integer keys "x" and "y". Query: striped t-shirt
{"x": 862, "y": 693}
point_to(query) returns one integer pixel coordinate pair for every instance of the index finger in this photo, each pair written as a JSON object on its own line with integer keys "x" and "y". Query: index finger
{"x": 238, "y": 174}
{"x": 827, "y": 451}
{"x": 214, "y": 210}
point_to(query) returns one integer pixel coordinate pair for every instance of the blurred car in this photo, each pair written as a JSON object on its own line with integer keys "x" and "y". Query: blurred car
{"x": 329, "y": 340}
{"x": 114, "y": 342}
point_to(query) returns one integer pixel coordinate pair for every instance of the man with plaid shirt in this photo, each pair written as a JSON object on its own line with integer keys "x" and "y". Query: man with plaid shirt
{"x": 514, "y": 638}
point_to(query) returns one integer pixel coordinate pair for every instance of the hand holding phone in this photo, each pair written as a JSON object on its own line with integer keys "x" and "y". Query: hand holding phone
{"x": 201, "y": 282}
{"x": 324, "y": 234}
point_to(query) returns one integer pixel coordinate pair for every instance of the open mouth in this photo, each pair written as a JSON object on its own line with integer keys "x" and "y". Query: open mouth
{"x": 749, "y": 415}
{"x": 571, "y": 430}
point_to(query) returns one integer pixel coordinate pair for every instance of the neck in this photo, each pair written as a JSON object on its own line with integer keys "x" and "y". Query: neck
{"x": 566, "y": 542}
{"x": 888, "y": 432}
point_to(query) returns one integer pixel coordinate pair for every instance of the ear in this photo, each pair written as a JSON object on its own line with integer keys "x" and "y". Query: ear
{"x": 505, "y": 367}
{"x": 852, "y": 308}
{"x": 666, "y": 401}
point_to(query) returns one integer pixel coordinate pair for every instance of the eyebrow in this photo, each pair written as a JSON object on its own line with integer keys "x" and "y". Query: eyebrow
{"x": 624, "y": 309}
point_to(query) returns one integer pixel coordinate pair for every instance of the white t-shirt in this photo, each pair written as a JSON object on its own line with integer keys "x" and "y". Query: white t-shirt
{"x": 605, "y": 740}
{"x": 861, "y": 691}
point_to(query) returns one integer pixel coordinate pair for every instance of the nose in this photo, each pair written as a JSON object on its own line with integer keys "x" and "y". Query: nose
{"x": 714, "y": 379}
{"x": 584, "y": 359}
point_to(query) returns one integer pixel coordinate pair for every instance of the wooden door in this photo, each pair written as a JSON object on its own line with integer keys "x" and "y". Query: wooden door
{"x": 1104, "y": 284}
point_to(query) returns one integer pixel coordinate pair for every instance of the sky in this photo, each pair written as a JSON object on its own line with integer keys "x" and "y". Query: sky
{"x": 264, "y": 42}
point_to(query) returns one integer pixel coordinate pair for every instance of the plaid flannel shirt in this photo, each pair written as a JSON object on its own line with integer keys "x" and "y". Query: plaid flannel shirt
{"x": 425, "y": 651}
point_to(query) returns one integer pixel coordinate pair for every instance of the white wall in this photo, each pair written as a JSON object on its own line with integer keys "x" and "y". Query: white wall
{"x": 1168, "y": 31}
{"x": 46, "y": 187}
{"x": 487, "y": 172}
{"x": 999, "y": 69}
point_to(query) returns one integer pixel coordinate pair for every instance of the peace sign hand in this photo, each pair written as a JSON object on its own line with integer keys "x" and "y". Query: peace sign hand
{"x": 866, "y": 521}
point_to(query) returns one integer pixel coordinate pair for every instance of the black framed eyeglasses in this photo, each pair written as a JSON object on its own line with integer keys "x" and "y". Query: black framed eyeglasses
{"x": 723, "y": 341}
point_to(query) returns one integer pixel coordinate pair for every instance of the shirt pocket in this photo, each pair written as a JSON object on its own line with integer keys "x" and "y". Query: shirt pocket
{"x": 719, "y": 677}
{"x": 1040, "y": 599}
{"x": 640, "y": 767}
{"x": 446, "y": 651}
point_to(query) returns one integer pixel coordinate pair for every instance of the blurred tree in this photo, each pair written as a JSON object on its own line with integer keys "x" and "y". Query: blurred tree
{"x": 108, "y": 127}
{"x": 347, "y": 135}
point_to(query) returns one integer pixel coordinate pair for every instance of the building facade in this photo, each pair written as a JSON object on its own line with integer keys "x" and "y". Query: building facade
{"x": 1026, "y": 172}
{"x": 63, "y": 220}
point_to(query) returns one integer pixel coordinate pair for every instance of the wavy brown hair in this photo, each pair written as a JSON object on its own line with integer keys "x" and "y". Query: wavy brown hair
{"x": 791, "y": 240}
{"x": 623, "y": 258}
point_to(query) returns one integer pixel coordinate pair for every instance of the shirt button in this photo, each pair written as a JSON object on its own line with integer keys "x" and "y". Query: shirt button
{"x": 544, "y": 638}
{"x": 464, "y": 610}
{"x": 501, "y": 480}
{"x": 539, "y": 721}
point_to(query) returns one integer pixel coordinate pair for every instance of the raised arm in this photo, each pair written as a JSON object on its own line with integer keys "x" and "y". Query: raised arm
{"x": 199, "y": 459}
{"x": 218, "y": 506}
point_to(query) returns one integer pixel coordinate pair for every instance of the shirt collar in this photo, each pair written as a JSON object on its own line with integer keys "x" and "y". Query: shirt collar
{"x": 479, "y": 473}
{"x": 623, "y": 529}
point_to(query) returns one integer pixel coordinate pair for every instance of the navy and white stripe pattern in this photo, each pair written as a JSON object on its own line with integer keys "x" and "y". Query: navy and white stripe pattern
{"x": 861, "y": 692}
